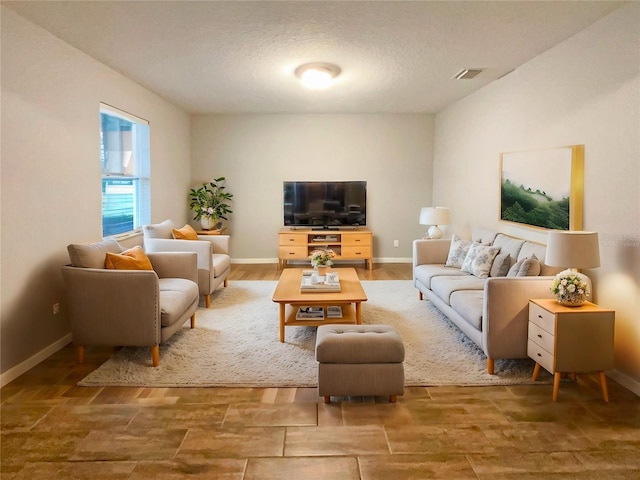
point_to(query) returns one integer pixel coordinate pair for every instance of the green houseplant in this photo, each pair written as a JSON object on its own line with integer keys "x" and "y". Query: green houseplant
{"x": 210, "y": 202}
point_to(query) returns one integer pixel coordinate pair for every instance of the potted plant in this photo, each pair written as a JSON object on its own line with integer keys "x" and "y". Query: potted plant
{"x": 210, "y": 203}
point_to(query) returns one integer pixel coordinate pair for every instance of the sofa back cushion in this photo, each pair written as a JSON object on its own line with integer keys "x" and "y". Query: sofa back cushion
{"x": 484, "y": 236}
{"x": 92, "y": 255}
{"x": 510, "y": 245}
{"x": 159, "y": 230}
{"x": 540, "y": 251}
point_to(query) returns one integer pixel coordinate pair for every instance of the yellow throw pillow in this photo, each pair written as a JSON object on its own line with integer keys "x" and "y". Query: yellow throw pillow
{"x": 185, "y": 233}
{"x": 132, "y": 259}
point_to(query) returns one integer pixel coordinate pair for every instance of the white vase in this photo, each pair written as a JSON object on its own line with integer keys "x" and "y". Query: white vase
{"x": 207, "y": 222}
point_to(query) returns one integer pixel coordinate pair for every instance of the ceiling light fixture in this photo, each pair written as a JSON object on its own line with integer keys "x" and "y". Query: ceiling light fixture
{"x": 317, "y": 75}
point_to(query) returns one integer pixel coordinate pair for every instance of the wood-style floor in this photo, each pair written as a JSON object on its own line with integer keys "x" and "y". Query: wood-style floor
{"x": 53, "y": 429}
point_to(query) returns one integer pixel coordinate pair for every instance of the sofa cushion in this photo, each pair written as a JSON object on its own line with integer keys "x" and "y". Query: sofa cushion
{"x": 525, "y": 267}
{"x": 500, "y": 266}
{"x": 221, "y": 262}
{"x": 443, "y": 287}
{"x": 92, "y": 255}
{"x": 479, "y": 260}
{"x": 131, "y": 259}
{"x": 457, "y": 251}
{"x": 483, "y": 235}
{"x": 185, "y": 233}
{"x": 424, "y": 273}
{"x": 159, "y": 230}
{"x": 509, "y": 245}
{"x": 468, "y": 304}
{"x": 176, "y": 295}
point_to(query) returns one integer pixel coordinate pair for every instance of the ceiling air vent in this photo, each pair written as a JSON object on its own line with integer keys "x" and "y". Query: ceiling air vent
{"x": 467, "y": 73}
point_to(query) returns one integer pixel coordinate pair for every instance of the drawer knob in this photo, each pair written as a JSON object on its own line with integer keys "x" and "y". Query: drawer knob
{"x": 539, "y": 316}
{"x": 539, "y": 354}
{"x": 539, "y": 336}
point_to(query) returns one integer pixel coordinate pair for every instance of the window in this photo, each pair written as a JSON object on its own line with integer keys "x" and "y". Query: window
{"x": 125, "y": 162}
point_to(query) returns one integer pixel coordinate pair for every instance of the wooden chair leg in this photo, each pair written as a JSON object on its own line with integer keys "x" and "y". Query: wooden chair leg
{"x": 603, "y": 386}
{"x": 207, "y": 301}
{"x": 226, "y": 283}
{"x": 490, "y": 366}
{"x": 80, "y": 351}
{"x": 193, "y": 320}
{"x": 327, "y": 399}
{"x": 393, "y": 398}
{"x": 155, "y": 355}
{"x": 420, "y": 295}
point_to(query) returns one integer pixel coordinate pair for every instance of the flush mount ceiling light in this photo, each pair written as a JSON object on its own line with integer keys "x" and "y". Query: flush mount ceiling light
{"x": 317, "y": 75}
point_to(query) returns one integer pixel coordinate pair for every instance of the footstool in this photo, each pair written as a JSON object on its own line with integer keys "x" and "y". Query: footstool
{"x": 359, "y": 360}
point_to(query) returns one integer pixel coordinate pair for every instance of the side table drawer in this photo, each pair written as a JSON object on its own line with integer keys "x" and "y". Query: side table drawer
{"x": 540, "y": 355}
{"x": 543, "y": 318}
{"x": 541, "y": 337}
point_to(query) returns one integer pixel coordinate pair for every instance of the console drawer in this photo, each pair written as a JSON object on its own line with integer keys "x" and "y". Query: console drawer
{"x": 293, "y": 239}
{"x": 356, "y": 239}
{"x": 355, "y": 251}
{"x": 287, "y": 252}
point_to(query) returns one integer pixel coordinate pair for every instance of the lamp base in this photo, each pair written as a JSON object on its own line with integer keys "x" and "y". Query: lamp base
{"x": 434, "y": 232}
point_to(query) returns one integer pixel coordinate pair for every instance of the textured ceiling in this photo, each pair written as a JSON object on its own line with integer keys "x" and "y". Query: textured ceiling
{"x": 239, "y": 56}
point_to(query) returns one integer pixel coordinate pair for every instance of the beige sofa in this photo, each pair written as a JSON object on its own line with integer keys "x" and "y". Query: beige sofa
{"x": 491, "y": 311}
{"x": 214, "y": 262}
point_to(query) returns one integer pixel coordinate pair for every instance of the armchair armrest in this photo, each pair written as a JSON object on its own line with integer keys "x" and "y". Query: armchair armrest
{"x": 219, "y": 243}
{"x": 201, "y": 248}
{"x": 430, "y": 251}
{"x": 175, "y": 264}
{"x": 505, "y": 315}
{"x": 113, "y": 307}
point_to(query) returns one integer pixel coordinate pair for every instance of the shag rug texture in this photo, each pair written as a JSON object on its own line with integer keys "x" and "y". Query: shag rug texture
{"x": 236, "y": 344}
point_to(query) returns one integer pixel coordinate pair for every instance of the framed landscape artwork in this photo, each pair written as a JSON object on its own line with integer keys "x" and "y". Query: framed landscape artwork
{"x": 543, "y": 188}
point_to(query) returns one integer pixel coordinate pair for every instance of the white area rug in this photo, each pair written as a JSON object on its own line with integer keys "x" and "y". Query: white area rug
{"x": 235, "y": 343}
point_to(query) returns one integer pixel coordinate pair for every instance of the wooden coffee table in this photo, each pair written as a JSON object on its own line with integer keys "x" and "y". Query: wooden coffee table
{"x": 288, "y": 295}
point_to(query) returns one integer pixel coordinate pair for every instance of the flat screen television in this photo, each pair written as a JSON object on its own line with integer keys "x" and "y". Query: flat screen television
{"x": 325, "y": 205}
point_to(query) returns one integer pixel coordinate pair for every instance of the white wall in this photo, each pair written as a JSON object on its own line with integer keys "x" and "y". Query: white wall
{"x": 256, "y": 153}
{"x": 583, "y": 91}
{"x": 51, "y": 173}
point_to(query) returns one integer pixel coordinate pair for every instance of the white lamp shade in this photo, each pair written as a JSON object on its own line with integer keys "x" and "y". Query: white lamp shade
{"x": 572, "y": 249}
{"x": 434, "y": 216}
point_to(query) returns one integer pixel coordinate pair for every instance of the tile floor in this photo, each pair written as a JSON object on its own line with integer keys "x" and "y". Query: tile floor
{"x": 53, "y": 429}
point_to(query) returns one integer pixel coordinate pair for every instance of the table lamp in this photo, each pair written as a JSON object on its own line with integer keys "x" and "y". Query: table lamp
{"x": 434, "y": 216}
{"x": 573, "y": 250}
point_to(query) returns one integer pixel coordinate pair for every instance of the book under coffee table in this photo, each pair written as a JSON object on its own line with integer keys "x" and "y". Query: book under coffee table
{"x": 290, "y": 298}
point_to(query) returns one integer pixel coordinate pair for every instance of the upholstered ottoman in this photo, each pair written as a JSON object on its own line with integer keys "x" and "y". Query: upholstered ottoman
{"x": 359, "y": 360}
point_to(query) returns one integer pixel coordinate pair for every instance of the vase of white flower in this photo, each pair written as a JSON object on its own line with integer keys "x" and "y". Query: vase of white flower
{"x": 570, "y": 288}
{"x": 321, "y": 259}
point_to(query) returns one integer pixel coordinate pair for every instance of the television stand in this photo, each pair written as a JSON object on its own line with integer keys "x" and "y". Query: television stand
{"x": 352, "y": 244}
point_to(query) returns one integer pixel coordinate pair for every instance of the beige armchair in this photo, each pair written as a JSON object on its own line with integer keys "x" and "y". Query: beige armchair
{"x": 128, "y": 307}
{"x": 214, "y": 262}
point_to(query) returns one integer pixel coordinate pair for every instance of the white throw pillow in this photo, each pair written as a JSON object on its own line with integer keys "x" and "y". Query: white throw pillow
{"x": 457, "y": 252}
{"x": 479, "y": 259}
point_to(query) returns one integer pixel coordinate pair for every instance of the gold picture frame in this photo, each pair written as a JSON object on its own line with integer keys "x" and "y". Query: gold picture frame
{"x": 543, "y": 188}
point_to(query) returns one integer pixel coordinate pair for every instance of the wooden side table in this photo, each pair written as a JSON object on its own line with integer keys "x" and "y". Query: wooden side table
{"x": 219, "y": 231}
{"x": 570, "y": 339}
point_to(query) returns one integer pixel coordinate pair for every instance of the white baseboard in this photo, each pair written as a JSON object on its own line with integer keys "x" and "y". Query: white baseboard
{"x": 29, "y": 363}
{"x": 625, "y": 380}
